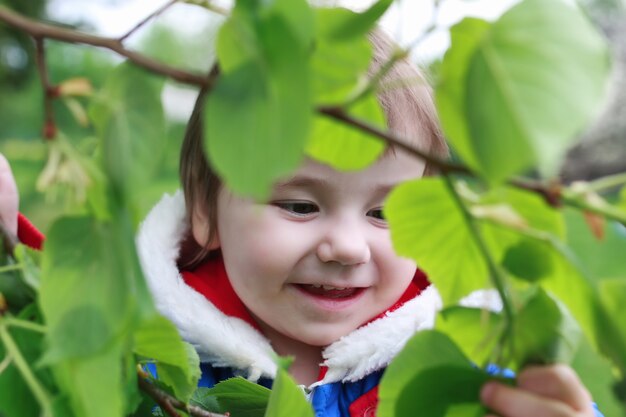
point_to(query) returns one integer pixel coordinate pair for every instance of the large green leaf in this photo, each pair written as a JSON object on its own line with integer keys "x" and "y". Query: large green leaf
{"x": 240, "y": 397}
{"x": 429, "y": 374}
{"x": 287, "y": 399}
{"x": 346, "y": 147}
{"x": 178, "y": 364}
{"x": 451, "y": 90}
{"x": 428, "y": 226}
{"x": 338, "y": 68}
{"x": 519, "y": 104}
{"x": 474, "y": 330}
{"x": 338, "y": 24}
{"x": 93, "y": 384}
{"x": 601, "y": 258}
{"x": 92, "y": 294}
{"x": 544, "y": 332}
{"x": 596, "y": 374}
{"x": 12, "y": 385}
{"x": 258, "y": 116}
{"x": 129, "y": 119}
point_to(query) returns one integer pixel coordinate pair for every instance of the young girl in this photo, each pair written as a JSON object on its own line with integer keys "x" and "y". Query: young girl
{"x": 311, "y": 273}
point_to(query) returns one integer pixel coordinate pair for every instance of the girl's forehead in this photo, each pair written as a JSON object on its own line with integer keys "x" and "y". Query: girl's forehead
{"x": 390, "y": 169}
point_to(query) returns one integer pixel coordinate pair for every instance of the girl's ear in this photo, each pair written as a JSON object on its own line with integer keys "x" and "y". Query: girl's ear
{"x": 201, "y": 231}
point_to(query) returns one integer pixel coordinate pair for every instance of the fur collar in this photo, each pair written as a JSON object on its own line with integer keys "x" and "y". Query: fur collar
{"x": 229, "y": 341}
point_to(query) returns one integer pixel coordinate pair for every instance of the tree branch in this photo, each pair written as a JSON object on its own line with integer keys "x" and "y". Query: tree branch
{"x": 50, "y": 130}
{"x": 147, "y": 19}
{"x": 168, "y": 403}
{"x": 40, "y": 30}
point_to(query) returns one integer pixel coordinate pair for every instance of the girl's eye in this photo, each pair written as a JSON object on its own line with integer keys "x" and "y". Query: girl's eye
{"x": 377, "y": 213}
{"x": 300, "y": 208}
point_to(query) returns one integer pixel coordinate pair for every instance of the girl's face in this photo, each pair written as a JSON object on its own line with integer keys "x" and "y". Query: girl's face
{"x": 316, "y": 261}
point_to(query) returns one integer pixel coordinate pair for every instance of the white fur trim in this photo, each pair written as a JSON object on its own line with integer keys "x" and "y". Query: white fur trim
{"x": 219, "y": 339}
{"x": 371, "y": 347}
{"x": 485, "y": 299}
{"x": 228, "y": 341}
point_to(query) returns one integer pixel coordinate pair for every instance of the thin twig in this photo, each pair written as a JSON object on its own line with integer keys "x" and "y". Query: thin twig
{"x": 5, "y": 363}
{"x": 42, "y": 30}
{"x": 551, "y": 193}
{"x": 40, "y": 393}
{"x": 168, "y": 403}
{"x": 10, "y": 268}
{"x": 608, "y": 183}
{"x": 497, "y": 278}
{"x": 209, "y": 6}
{"x": 338, "y": 113}
{"x": 147, "y": 19}
{"x": 23, "y": 324}
{"x": 49, "y": 131}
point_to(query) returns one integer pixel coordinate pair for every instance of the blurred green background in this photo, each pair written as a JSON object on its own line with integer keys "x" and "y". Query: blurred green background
{"x": 21, "y": 103}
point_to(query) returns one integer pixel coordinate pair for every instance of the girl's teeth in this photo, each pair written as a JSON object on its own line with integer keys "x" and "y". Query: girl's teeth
{"x": 328, "y": 287}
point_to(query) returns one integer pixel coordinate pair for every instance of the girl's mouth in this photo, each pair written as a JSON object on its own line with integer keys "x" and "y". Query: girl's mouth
{"x": 327, "y": 291}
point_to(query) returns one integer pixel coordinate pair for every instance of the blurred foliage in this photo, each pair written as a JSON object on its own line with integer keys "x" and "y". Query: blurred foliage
{"x": 16, "y": 48}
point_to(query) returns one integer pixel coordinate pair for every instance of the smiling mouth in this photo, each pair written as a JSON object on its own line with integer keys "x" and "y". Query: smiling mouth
{"x": 327, "y": 291}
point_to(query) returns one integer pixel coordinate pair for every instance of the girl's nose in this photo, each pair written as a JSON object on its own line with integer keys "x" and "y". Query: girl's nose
{"x": 345, "y": 244}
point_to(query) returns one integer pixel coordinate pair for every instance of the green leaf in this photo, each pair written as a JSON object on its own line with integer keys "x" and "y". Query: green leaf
{"x": 183, "y": 378}
{"x": 345, "y": 147}
{"x": 202, "y": 398}
{"x": 338, "y": 24}
{"x": 12, "y": 385}
{"x": 529, "y": 259}
{"x": 602, "y": 259}
{"x": 287, "y": 399}
{"x": 519, "y": 106}
{"x": 240, "y": 397}
{"x": 128, "y": 117}
{"x": 596, "y": 374}
{"x": 544, "y": 332}
{"x": 613, "y": 299}
{"x": 427, "y": 354}
{"x": 93, "y": 384}
{"x": 90, "y": 277}
{"x": 30, "y": 270}
{"x": 258, "y": 116}
{"x": 92, "y": 295}
{"x": 337, "y": 68}
{"x": 474, "y": 330}
{"x": 435, "y": 391}
{"x": 445, "y": 249}
{"x": 178, "y": 364}
{"x": 451, "y": 91}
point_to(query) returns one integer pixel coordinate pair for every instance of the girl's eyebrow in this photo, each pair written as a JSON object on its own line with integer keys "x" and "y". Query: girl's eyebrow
{"x": 316, "y": 182}
{"x": 299, "y": 181}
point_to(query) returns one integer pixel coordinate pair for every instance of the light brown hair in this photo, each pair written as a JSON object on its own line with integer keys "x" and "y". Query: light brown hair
{"x": 405, "y": 97}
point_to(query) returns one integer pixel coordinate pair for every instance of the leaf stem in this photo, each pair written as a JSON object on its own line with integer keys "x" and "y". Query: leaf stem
{"x": 608, "y": 182}
{"x": 23, "y": 324}
{"x": 9, "y": 268}
{"x": 573, "y": 199}
{"x": 39, "y": 391}
{"x": 374, "y": 81}
{"x": 168, "y": 403}
{"x": 497, "y": 278}
{"x": 147, "y": 19}
{"x": 49, "y": 131}
{"x": 209, "y": 6}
